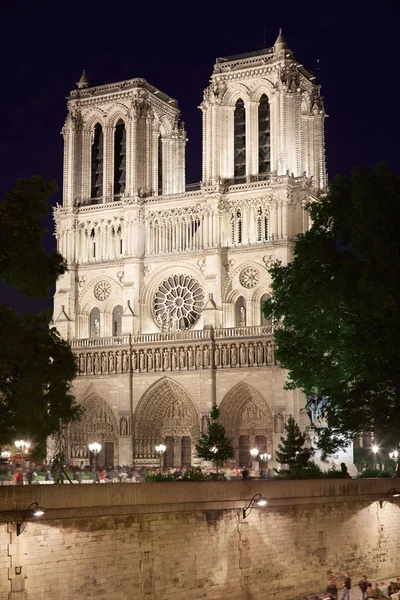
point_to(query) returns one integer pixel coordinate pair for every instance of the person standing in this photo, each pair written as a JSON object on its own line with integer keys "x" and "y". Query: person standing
{"x": 347, "y": 587}
{"x": 363, "y": 585}
{"x": 332, "y": 588}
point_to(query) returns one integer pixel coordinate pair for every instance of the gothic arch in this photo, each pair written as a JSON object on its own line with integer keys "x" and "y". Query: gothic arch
{"x": 161, "y": 273}
{"x": 265, "y": 87}
{"x": 87, "y": 299}
{"x": 120, "y": 112}
{"x": 98, "y": 424}
{"x": 166, "y": 409}
{"x": 244, "y": 411}
{"x": 236, "y": 92}
{"x": 94, "y": 116}
{"x": 232, "y": 285}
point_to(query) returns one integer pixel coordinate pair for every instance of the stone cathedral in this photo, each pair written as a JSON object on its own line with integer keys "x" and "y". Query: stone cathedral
{"x": 162, "y": 300}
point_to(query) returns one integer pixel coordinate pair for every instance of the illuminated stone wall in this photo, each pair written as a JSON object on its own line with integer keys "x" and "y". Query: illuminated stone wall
{"x": 189, "y": 541}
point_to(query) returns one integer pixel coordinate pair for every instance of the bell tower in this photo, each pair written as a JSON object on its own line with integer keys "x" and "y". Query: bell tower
{"x": 263, "y": 116}
{"x": 121, "y": 140}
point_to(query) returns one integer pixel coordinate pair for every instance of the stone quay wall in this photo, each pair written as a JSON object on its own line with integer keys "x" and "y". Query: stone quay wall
{"x": 188, "y": 541}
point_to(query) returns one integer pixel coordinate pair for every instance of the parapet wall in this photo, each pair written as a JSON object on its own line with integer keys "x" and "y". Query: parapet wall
{"x": 188, "y": 541}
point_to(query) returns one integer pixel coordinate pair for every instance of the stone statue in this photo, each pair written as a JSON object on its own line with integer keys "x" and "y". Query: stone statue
{"x": 251, "y": 354}
{"x": 216, "y": 356}
{"x": 190, "y": 357}
{"x": 279, "y": 423}
{"x": 111, "y": 362}
{"x": 141, "y": 361}
{"x": 242, "y": 316}
{"x": 233, "y": 356}
{"x": 123, "y": 426}
{"x": 96, "y": 327}
{"x": 182, "y": 358}
{"x": 81, "y": 363}
{"x": 198, "y": 357}
{"x": 158, "y": 360}
{"x": 224, "y": 356}
{"x": 173, "y": 359}
{"x": 206, "y": 356}
{"x": 269, "y": 354}
{"x": 125, "y": 361}
{"x": 89, "y": 363}
{"x": 104, "y": 362}
{"x": 96, "y": 363}
{"x": 259, "y": 354}
{"x": 118, "y": 362}
{"x": 242, "y": 353}
{"x": 149, "y": 360}
{"x": 166, "y": 360}
{"x": 134, "y": 361}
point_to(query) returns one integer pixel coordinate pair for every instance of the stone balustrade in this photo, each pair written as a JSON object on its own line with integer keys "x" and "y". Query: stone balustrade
{"x": 175, "y": 351}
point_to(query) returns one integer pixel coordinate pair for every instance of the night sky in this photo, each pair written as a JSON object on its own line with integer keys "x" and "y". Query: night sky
{"x": 45, "y": 46}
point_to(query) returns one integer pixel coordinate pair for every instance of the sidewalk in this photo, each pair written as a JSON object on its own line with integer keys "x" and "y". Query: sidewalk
{"x": 355, "y": 592}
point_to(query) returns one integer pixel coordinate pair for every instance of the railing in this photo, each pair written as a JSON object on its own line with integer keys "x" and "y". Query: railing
{"x": 173, "y": 336}
{"x": 261, "y": 52}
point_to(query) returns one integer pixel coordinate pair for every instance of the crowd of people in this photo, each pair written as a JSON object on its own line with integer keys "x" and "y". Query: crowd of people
{"x": 32, "y": 473}
{"x": 340, "y": 588}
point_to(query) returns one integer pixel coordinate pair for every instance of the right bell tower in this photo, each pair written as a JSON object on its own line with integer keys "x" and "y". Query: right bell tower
{"x": 263, "y": 116}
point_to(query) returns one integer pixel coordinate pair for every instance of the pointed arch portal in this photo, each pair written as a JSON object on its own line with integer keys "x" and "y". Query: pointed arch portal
{"x": 98, "y": 424}
{"x": 166, "y": 414}
{"x": 248, "y": 421}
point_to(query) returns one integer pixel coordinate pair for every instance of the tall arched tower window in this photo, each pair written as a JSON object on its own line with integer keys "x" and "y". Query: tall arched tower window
{"x": 94, "y": 323}
{"x": 262, "y": 228}
{"x": 263, "y": 319}
{"x": 264, "y": 136}
{"x": 160, "y": 169}
{"x": 119, "y": 158}
{"x": 117, "y": 320}
{"x": 236, "y": 227}
{"x": 240, "y": 316}
{"x": 97, "y": 162}
{"x": 239, "y": 134}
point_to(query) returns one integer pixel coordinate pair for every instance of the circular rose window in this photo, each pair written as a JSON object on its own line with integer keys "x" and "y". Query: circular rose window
{"x": 178, "y": 302}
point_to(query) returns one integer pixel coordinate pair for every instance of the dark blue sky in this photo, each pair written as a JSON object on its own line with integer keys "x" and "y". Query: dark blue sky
{"x": 44, "y": 47}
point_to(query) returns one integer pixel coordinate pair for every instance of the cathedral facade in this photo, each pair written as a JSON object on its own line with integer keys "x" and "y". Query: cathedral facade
{"x": 162, "y": 300}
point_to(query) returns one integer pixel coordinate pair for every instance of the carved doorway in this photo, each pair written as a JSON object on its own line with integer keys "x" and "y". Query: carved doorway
{"x": 186, "y": 452}
{"x": 166, "y": 414}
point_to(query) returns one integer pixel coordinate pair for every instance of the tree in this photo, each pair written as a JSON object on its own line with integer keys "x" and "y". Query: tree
{"x": 36, "y": 365}
{"x": 291, "y": 451}
{"x": 335, "y": 309}
{"x": 215, "y": 445}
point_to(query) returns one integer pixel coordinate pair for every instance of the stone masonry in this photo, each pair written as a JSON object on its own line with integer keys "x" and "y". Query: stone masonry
{"x": 187, "y": 541}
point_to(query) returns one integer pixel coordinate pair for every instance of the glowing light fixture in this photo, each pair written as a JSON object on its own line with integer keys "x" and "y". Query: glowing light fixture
{"x": 33, "y": 510}
{"x": 258, "y": 499}
{"x": 392, "y": 493}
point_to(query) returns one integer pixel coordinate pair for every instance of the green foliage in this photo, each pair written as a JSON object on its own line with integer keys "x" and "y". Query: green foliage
{"x": 195, "y": 474}
{"x": 336, "y": 309}
{"x": 371, "y": 472}
{"x": 160, "y": 477}
{"x": 311, "y": 471}
{"x": 215, "y": 445}
{"x": 37, "y": 366}
{"x": 291, "y": 450}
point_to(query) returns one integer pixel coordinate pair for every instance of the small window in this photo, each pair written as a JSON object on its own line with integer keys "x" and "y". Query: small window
{"x": 94, "y": 324}
{"x": 117, "y": 320}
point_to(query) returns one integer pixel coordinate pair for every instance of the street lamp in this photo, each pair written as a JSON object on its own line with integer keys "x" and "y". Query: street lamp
{"x": 266, "y": 457}
{"x": 258, "y": 499}
{"x": 394, "y": 455}
{"x": 35, "y": 510}
{"x": 161, "y": 448}
{"x": 94, "y": 448}
{"x": 392, "y": 493}
{"x": 375, "y": 449}
{"x": 24, "y": 447}
{"x": 6, "y": 454}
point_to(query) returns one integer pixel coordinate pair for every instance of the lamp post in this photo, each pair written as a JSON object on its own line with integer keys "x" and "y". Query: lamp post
{"x": 94, "y": 448}
{"x": 375, "y": 449}
{"x": 160, "y": 449}
{"x": 35, "y": 510}
{"x": 6, "y": 454}
{"x": 258, "y": 499}
{"x": 265, "y": 457}
{"x": 23, "y": 446}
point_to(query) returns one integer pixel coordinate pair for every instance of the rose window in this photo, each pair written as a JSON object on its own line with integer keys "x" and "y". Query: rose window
{"x": 178, "y": 302}
{"x": 102, "y": 290}
{"x": 249, "y": 277}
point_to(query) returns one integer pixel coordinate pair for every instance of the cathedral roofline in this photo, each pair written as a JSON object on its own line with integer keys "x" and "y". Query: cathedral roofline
{"x": 128, "y": 84}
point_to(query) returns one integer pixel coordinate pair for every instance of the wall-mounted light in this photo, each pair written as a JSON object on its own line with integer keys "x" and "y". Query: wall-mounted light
{"x": 392, "y": 493}
{"x": 33, "y": 510}
{"x": 258, "y": 499}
